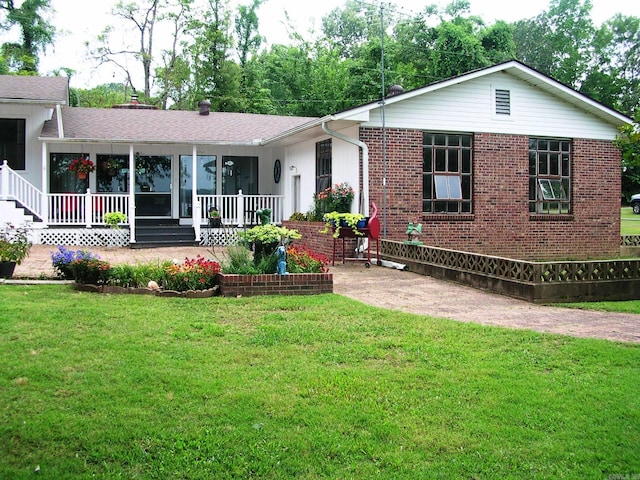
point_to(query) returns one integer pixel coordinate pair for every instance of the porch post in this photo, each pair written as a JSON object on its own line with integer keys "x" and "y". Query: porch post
{"x": 44, "y": 201}
{"x": 87, "y": 209}
{"x": 240, "y": 209}
{"x": 195, "y": 204}
{"x": 132, "y": 195}
{"x": 4, "y": 181}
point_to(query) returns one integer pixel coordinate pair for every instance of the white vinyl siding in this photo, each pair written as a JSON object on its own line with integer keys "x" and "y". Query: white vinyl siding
{"x": 470, "y": 107}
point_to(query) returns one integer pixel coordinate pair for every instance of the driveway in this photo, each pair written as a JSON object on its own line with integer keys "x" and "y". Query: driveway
{"x": 405, "y": 291}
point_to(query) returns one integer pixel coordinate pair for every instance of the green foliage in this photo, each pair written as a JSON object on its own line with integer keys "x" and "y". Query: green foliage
{"x": 90, "y": 271}
{"x": 14, "y": 243}
{"x": 334, "y": 221}
{"x": 35, "y": 30}
{"x": 192, "y": 274}
{"x": 269, "y": 233}
{"x": 124, "y": 386}
{"x": 238, "y": 260}
{"x": 114, "y": 219}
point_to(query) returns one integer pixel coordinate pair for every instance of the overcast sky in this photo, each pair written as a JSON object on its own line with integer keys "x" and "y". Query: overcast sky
{"x": 80, "y": 21}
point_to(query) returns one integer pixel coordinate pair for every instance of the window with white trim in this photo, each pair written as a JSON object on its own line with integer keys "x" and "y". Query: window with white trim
{"x": 549, "y": 176}
{"x": 446, "y": 173}
{"x": 12, "y": 142}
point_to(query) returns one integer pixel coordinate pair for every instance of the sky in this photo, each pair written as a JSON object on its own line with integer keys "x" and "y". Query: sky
{"x": 81, "y": 21}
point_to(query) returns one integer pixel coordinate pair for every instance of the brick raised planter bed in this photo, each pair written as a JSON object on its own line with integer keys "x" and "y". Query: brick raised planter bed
{"x": 291, "y": 284}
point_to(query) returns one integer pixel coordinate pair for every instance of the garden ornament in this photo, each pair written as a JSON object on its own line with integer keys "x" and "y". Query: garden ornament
{"x": 281, "y": 255}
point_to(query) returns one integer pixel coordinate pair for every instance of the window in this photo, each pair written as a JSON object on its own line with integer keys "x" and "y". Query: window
{"x": 446, "y": 173}
{"x": 503, "y": 102}
{"x": 323, "y": 165}
{"x": 549, "y": 176}
{"x": 12, "y": 142}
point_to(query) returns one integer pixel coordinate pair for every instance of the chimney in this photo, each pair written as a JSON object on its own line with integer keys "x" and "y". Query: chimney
{"x": 205, "y": 107}
{"x": 395, "y": 90}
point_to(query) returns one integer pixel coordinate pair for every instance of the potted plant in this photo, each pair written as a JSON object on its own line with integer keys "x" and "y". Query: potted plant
{"x": 215, "y": 220}
{"x": 266, "y": 238}
{"x": 82, "y": 166}
{"x": 114, "y": 219}
{"x": 14, "y": 248}
{"x": 112, "y": 165}
{"x": 334, "y": 221}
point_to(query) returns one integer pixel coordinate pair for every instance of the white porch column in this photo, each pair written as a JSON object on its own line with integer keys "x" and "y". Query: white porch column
{"x": 88, "y": 210}
{"x": 240, "y": 209}
{"x": 195, "y": 204}
{"x": 132, "y": 195}
{"x": 44, "y": 187}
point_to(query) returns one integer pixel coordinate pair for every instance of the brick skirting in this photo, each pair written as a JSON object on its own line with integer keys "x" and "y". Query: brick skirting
{"x": 290, "y": 284}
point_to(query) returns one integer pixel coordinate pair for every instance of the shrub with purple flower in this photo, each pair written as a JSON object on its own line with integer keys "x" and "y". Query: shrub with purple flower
{"x": 63, "y": 258}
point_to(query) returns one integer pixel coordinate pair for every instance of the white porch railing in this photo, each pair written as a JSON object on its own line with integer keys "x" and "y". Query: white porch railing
{"x": 14, "y": 187}
{"x": 85, "y": 208}
{"x": 241, "y": 209}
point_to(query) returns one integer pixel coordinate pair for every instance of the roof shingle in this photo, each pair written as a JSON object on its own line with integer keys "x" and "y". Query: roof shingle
{"x": 168, "y": 126}
{"x": 35, "y": 89}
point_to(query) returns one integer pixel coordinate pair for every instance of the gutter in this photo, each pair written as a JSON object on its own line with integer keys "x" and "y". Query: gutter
{"x": 365, "y": 163}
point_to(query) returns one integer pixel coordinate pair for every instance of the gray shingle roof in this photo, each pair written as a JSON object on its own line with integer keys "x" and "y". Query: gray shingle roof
{"x": 34, "y": 89}
{"x": 168, "y": 126}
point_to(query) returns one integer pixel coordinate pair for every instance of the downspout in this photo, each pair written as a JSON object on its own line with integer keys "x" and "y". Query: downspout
{"x": 60, "y": 123}
{"x": 365, "y": 163}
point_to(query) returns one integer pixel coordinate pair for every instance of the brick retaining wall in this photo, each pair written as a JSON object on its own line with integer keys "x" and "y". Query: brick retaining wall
{"x": 291, "y": 284}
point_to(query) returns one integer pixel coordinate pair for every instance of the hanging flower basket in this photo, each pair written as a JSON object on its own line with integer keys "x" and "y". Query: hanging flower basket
{"x": 82, "y": 166}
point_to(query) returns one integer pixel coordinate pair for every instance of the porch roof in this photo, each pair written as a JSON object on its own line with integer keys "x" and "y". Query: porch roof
{"x": 166, "y": 126}
{"x": 26, "y": 89}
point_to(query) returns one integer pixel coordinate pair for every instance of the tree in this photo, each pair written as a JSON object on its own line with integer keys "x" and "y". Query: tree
{"x": 557, "y": 42}
{"x": 249, "y": 40}
{"x": 142, "y": 19}
{"x": 36, "y": 33}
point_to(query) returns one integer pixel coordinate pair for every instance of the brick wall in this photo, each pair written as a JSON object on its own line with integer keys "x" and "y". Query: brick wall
{"x": 321, "y": 242}
{"x": 500, "y": 223}
{"x": 291, "y": 284}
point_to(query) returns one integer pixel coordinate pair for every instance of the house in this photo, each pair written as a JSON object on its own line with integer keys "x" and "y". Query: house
{"x": 502, "y": 161}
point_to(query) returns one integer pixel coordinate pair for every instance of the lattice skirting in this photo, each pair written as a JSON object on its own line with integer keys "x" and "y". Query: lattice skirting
{"x": 533, "y": 281}
{"x": 83, "y": 237}
{"x": 222, "y": 237}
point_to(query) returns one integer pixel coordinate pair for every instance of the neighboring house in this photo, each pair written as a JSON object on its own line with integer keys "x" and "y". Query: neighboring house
{"x": 502, "y": 161}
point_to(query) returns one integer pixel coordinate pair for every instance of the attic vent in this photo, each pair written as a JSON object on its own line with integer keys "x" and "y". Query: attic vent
{"x": 503, "y": 102}
{"x": 205, "y": 107}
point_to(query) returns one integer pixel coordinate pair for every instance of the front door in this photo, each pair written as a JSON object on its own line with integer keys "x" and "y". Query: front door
{"x": 239, "y": 173}
{"x": 205, "y": 178}
{"x": 153, "y": 186}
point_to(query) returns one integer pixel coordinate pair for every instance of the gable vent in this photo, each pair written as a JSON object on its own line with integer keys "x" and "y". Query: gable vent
{"x": 503, "y": 102}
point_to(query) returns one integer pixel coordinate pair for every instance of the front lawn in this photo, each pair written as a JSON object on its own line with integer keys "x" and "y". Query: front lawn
{"x": 125, "y": 386}
{"x": 629, "y": 222}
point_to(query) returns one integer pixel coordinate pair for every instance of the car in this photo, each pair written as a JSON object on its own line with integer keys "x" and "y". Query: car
{"x": 635, "y": 203}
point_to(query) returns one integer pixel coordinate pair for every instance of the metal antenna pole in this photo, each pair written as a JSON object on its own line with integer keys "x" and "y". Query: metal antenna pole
{"x": 384, "y": 130}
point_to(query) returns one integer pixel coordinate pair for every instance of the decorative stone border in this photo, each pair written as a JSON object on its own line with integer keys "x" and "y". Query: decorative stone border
{"x": 84, "y": 287}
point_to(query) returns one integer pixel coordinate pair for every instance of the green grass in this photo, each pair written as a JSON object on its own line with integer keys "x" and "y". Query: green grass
{"x": 109, "y": 386}
{"x": 629, "y": 222}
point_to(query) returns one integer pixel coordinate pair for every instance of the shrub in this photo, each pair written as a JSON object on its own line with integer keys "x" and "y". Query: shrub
{"x": 301, "y": 259}
{"x": 14, "y": 243}
{"x": 62, "y": 260}
{"x": 193, "y": 274}
{"x": 90, "y": 270}
{"x": 239, "y": 261}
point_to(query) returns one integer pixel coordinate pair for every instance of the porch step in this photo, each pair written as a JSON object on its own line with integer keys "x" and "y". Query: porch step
{"x": 151, "y": 234}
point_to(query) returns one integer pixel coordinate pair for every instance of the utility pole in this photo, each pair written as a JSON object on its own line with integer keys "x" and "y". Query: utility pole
{"x": 384, "y": 130}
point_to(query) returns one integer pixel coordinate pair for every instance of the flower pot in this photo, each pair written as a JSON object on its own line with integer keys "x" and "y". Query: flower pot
{"x": 82, "y": 175}
{"x": 215, "y": 222}
{"x": 6, "y": 269}
{"x": 362, "y": 223}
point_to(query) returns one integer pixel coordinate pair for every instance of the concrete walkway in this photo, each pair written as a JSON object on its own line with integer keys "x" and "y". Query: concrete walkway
{"x": 404, "y": 291}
